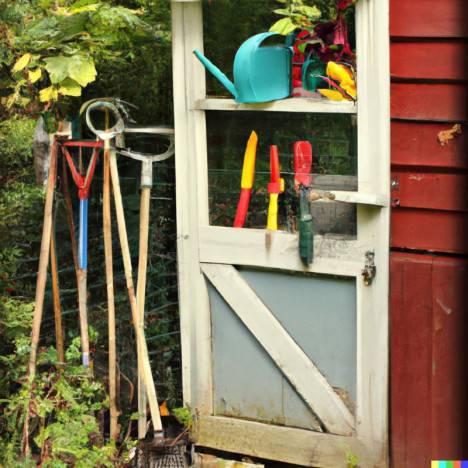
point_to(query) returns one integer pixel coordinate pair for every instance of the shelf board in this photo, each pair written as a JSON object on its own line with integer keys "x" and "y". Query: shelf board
{"x": 311, "y": 105}
{"x": 361, "y": 198}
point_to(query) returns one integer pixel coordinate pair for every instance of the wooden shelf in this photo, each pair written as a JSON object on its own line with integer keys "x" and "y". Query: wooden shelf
{"x": 361, "y": 198}
{"x": 310, "y": 105}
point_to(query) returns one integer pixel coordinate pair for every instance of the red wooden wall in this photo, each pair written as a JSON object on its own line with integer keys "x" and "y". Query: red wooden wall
{"x": 429, "y": 233}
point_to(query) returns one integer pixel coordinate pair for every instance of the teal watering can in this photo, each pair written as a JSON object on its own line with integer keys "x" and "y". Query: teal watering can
{"x": 261, "y": 74}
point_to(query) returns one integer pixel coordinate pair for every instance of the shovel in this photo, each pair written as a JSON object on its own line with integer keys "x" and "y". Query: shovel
{"x": 147, "y": 161}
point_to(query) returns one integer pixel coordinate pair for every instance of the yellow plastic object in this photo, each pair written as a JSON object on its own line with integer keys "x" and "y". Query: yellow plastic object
{"x": 248, "y": 169}
{"x": 272, "y": 220}
{"x": 344, "y": 76}
{"x": 332, "y": 94}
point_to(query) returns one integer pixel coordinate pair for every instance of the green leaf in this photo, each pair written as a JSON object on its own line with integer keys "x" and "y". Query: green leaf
{"x": 35, "y": 75}
{"x": 282, "y": 11}
{"x": 85, "y": 8}
{"x": 79, "y": 68}
{"x": 21, "y": 63}
{"x": 48, "y": 94}
{"x": 58, "y": 68}
{"x": 69, "y": 87}
{"x": 82, "y": 70}
{"x": 283, "y": 26}
{"x": 312, "y": 12}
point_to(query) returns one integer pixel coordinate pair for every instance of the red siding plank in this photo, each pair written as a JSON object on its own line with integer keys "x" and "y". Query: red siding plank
{"x": 436, "y": 231}
{"x": 428, "y": 18}
{"x": 449, "y": 369}
{"x": 429, "y": 60}
{"x": 416, "y": 144}
{"x": 410, "y": 309}
{"x": 429, "y": 312}
{"x": 431, "y": 191}
{"x": 433, "y": 102}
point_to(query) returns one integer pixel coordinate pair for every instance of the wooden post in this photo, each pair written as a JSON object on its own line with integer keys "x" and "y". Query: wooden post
{"x": 41, "y": 281}
{"x": 56, "y": 295}
{"x": 107, "y": 228}
{"x": 139, "y": 331}
{"x": 140, "y": 298}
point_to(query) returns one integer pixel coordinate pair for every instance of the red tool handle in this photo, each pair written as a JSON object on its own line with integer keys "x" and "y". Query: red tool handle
{"x": 242, "y": 208}
{"x": 302, "y": 163}
{"x": 82, "y": 182}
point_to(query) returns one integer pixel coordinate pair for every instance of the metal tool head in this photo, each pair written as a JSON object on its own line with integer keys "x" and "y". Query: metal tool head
{"x": 116, "y": 107}
{"x": 164, "y": 132}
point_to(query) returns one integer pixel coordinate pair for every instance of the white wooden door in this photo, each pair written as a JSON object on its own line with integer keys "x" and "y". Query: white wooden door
{"x": 221, "y": 268}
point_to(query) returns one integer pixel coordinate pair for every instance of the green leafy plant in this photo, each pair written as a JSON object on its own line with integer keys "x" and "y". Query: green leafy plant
{"x": 296, "y": 14}
{"x": 183, "y": 415}
{"x": 59, "y": 45}
{"x": 352, "y": 460}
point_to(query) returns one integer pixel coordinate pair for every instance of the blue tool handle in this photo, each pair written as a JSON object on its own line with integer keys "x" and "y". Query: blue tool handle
{"x": 83, "y": 239}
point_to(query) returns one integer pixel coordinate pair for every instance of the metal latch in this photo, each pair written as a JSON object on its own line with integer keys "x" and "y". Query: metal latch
{"x": 369, "y": 270}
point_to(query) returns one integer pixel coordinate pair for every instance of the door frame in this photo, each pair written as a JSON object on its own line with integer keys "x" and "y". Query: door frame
{"x": 199, "y": 243}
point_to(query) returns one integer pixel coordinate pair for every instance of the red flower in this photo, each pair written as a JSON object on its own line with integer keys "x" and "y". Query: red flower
{"x": 343, "y": 4}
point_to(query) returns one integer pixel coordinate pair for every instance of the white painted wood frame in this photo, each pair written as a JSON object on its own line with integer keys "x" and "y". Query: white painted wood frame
{"x": 200, "y": 245}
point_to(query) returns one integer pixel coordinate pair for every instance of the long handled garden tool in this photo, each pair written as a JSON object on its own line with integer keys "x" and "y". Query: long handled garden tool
{"x": 302, "y": 180}
{"x": 147, "y": 161}
{"x": 107, "y": 234}
{"x": 275, "y": 187}
{"x": 41, "y": 280}
{"x": 248, "y": 171}
{"x": 142, "y": 349}
{"x": 83, "y": 183}
{"x": 59, "y": 341}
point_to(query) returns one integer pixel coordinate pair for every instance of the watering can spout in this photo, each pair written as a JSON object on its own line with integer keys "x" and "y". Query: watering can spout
{"x": 217, "y": 73}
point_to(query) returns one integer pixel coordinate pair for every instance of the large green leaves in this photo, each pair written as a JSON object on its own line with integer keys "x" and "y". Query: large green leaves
{"x": 77, "y": 67}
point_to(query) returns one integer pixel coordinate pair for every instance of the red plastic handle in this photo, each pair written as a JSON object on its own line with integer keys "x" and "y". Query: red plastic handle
{"x": 274, "y": 165}
{"x": 242, "y": 208}
{"x": 82, "y": 182}
{"x": 302, "y": 163}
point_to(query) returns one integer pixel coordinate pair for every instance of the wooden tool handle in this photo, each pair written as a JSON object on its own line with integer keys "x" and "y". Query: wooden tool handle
{"x": 140, "y": 298}
{"x": 41, "y": 281}
{"x": 107, "y": 232}
{"x": 139, "y": 332}
{"x": 43, "y": 261}
{"x": 83, "y": 313}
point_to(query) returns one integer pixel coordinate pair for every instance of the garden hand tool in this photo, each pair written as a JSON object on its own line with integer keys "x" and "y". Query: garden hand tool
{"x": 147, "y": 161}
{"x": 248, "y": 171}
{"x": 302, "y": 181}
{"x": 142, "y": 349}
{"x": 83, "y": 183}
{"x": 275, "y": 187}
{"x": 41, "y": 280}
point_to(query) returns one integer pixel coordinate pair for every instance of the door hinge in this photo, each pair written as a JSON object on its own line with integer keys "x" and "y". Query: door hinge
{"x": 369, "y": 270}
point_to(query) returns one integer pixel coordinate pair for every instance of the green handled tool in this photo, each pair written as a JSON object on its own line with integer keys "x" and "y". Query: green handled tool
{"x": 302, "y": 182}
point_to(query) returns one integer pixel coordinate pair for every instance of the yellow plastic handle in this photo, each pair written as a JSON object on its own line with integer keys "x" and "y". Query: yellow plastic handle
{"x": 248, "y": 168}
{"x": 272, "y": 220}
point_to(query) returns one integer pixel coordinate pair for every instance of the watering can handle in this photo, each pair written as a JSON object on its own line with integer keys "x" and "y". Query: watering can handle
{"x": 217, "y": 73}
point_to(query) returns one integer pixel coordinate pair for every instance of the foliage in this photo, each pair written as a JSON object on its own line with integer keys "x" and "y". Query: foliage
{"x": 16, "y": 136}
{"x": 296, "y": 15}
{"x": 352, "y": 460}
{"x": 57, "y": 46}
{"x": 183, "y": 415}
{"x": 64, "y": 409}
